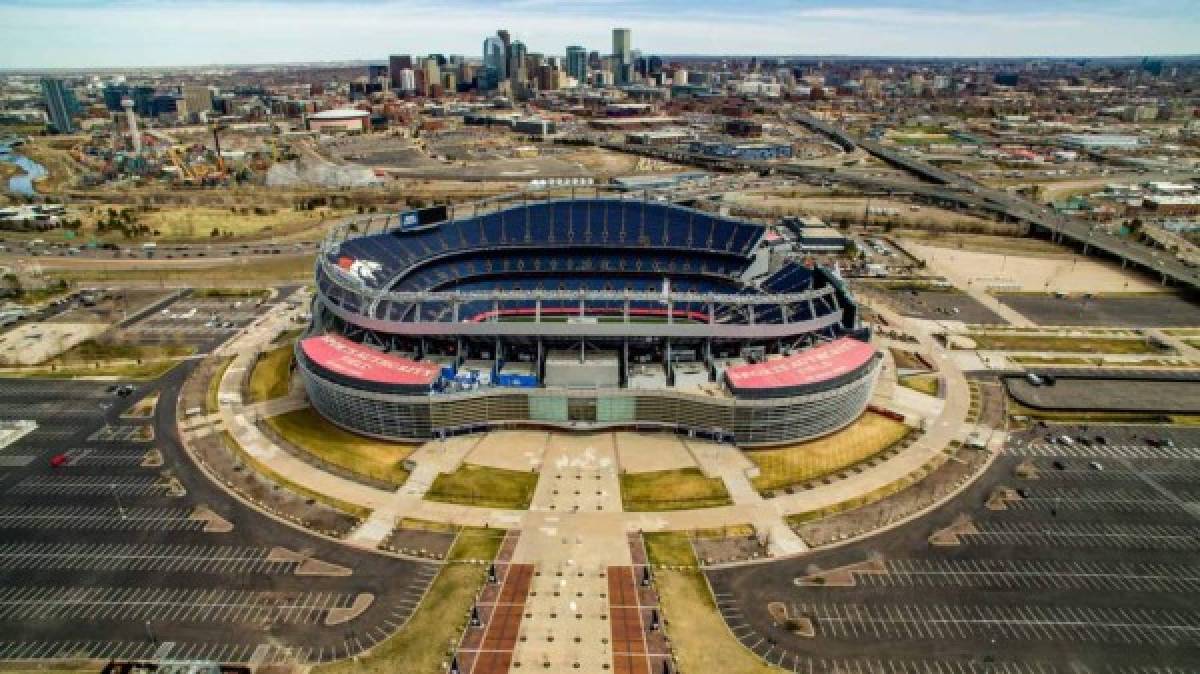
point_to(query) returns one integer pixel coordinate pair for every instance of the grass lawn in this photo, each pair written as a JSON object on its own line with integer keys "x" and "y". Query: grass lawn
{"x": 143, "y": 372}
{"x": 669, "y": 548}
{"x": 271, "y": 377}
{"x": 924, "y": 383}
{"x": 994, "y": 342}
{"x": 214, "y": 386}
{"x": 195, "y": 223}
{"x": 476, "y": 543}
{"x": 245, "y": 270}
{"x": 91, "y": 351}
{"x": 34, "y": 296}
{"x": 699, "y": 637}
{"x": 793, "y": 464}
{"x": 1072, "y": 416}
{"x": 423, "y": 644}
{"x": 485, "y": 486}
{"x": 671, "y": 490}
{"x": 375, "y": 459}
{"x": 907, "y": 360}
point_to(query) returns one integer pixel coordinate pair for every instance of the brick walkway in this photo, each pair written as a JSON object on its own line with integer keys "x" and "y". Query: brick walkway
{"x": 638, "y": 645}
{"x": 488, "y": 649}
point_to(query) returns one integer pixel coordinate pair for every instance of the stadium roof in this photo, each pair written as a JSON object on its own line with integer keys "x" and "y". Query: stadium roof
{"x": 812, "y": 366}
{"x": 351, "y": 359}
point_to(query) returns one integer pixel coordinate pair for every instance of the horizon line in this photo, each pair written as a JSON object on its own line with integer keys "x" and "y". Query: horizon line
{"x": 18, "y": 70}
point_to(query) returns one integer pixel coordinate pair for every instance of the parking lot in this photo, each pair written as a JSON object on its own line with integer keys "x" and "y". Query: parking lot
{"x": 1065, "y": 557}
{"x": 105, "y": 555}
{"x": 196, "y": 318}
{"x": 938, "y": 305}
{"x": 1151, "y": 311}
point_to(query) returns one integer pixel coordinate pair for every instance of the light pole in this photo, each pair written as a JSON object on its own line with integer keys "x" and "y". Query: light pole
{"x": 112, "y": 487}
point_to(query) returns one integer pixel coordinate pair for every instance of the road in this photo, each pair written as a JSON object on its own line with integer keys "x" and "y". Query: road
{"x": 953, "y": 188}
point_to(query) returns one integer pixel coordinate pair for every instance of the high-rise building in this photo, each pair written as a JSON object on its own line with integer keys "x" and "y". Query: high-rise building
{"x": 516, "y": 62}
{"x": 622, "y": 53}
{"x": 197, "y": 99}
{"x": 622, "y": 44}
{"x": 60, "y": 104}
{"x": 494, "y": 63}
{"x": 404, "y": 80}
{"x": 396, "y": 64}
{"x": 431, "y": 75}
{"x": 506, "y": 40}
{"x": 577, "y": 63}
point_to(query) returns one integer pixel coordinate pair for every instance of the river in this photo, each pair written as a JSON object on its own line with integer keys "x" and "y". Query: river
{"x": 22, "y": 184}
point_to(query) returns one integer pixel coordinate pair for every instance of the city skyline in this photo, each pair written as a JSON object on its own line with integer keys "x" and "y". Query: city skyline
{"x": 79, "y": 33}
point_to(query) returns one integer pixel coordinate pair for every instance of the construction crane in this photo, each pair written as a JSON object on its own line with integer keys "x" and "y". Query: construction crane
{"x": 217, "y": 128}
{"x": 185, "y": 171}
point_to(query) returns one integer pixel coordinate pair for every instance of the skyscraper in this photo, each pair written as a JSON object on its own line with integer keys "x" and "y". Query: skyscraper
{"x": 396, "y": 64}
{"x": 60, "y": 104}
{"x": 505, "y": 40}
{"x": 494, "y": 64}
{"x": 622, "y": 53}
{"x": 516, "y": 62}
{"x": 577, "y": 63}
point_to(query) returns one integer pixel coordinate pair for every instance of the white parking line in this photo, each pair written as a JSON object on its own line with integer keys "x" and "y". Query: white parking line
{"x": 1094, "y": 451}
{"x": 83, "y": 485}
{"x": 147, "y": 557}
{"x": 84, "y": 517}
{"x": 167, "y": 604}
{"x": 1130, "y": 536}
{"x": 1050, "y": 623}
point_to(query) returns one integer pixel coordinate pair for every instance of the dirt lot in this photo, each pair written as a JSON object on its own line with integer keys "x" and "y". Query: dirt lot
{"x": 1024, "y": 272}
{"x": 854, "y": 209}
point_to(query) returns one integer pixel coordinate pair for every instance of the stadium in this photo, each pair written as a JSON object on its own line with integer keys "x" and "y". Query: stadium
{"x": 579, "y": 313}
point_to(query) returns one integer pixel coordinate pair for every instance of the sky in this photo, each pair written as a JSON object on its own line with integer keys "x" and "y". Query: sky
{"x": 130, "y": 33}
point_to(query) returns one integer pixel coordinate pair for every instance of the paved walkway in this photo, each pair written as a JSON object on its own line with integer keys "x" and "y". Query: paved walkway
{"x": 592, "y": 457}
{"x": 577, "y": 607}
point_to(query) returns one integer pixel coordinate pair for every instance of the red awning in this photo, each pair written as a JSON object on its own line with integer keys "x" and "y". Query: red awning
{"x": 351, "y": 359}
{"x": 818, "y": 364}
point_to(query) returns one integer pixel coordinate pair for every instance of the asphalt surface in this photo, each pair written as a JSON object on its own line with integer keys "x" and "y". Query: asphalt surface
{"x": 1160, "y": 395}
{"x": 940, "y": 305}
{"x": 1155, "y": 311}
{"x": 1093, "y": 570}
{"x": 99, "y": 559}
